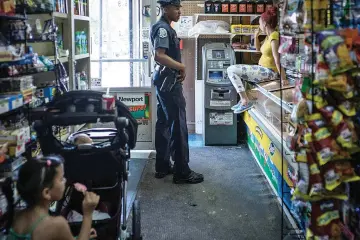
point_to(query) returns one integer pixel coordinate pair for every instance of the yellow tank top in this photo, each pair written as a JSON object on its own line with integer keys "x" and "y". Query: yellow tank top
{"x": 267, "y": 58}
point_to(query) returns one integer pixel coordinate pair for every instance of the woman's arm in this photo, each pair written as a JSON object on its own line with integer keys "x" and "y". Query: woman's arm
{"x": 256, "y": 40}
{"x": 276, "y": 55}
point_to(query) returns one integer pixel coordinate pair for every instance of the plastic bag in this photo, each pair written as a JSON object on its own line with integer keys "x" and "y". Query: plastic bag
{"x": 208, "y": 27}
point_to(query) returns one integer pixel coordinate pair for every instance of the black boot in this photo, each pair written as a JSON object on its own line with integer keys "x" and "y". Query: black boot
{"x": 160, "y": 175}
{"x": 190, "y": 178}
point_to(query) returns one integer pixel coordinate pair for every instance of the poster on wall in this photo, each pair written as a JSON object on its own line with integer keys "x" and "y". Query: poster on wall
{"x": 183, "y": 26}
{"x": 140, "y": 107}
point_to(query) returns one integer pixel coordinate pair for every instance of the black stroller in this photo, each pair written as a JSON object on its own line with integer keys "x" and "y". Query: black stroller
{"x": 101, "y": 166}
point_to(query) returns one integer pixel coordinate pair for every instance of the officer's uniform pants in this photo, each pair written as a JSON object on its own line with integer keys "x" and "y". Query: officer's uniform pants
{"x": 171, "y": 136}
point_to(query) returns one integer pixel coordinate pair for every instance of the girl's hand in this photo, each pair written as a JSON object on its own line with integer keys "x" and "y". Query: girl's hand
{"x": 91, "y": 200}
{"x": 93, "y": 233}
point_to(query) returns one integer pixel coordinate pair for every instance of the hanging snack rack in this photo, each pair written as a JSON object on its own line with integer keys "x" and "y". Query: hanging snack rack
{"x": 326, "y": 115}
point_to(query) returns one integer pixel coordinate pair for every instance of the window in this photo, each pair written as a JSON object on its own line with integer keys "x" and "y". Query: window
{"x": 116, "y": 43}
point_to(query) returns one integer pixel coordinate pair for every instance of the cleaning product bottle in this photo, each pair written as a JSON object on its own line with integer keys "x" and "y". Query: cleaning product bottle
{"x": 85, "y": 43}
{"x": 82, "y": 42}
{"x": 217, "y": 6}
{"x": 83, "y": 81}
{"x": 77, "y": 43}
{"x": 209, "y": 5}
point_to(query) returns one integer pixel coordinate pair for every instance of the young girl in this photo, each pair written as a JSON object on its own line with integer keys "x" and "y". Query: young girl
{"x": 41, "y": 181}
{"x": 269, "y": 63}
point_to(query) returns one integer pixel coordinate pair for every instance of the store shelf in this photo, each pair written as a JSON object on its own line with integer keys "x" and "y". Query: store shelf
{"x": 14, "y": 17}
{"x": 82, "y": 18}
{"x": 60, "y": 15}
{"x": 246, "y": 50}
{"x": 226, "y": 15}
{"x": 82, "y": 56}
{"x": 62, "y": 59}
{"x": 246, "y": 34}
{"x": 33, "y": 41}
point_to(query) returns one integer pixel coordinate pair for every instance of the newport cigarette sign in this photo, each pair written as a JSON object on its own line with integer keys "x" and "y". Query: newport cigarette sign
{"x": 131, "y": 99}
{"x": 138, "y": 103}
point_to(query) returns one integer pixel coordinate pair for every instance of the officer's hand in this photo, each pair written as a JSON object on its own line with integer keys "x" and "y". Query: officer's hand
{"x": 181, "y": 76}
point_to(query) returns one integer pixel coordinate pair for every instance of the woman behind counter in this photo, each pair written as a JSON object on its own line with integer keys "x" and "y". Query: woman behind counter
{"x": 269, "y": 63}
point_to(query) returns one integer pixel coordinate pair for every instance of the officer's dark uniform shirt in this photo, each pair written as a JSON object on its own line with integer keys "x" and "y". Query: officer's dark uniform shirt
{"x": 164, "y": 36}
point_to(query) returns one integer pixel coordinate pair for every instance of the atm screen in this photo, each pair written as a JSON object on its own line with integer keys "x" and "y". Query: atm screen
{"x": 215, "y": 74}
{"x": 218, "y": 54}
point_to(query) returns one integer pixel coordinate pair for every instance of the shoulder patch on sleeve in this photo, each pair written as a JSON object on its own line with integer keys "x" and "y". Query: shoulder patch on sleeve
{"x": 162, "y": 33}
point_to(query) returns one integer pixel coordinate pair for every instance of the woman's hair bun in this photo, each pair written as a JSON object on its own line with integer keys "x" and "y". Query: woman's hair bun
{"x": 272, "y": 11}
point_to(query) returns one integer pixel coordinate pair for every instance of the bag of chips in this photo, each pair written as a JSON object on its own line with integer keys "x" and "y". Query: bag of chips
{"x": 326, "y": 147}
{"x": 338, "y": 59}
{"x": 322, "y": 71}
{"x": 347, "y": 108}
{"x": 338, "y": 83}
{"x": 324, "y": 220}
{"x": 331, "y": 115}
{"x": 335, "y": 51}
{"x": 338, "y": 172}
{"x": 310, "y": 187}
{"x": 315, "y": 121}
{"x": 346, "y": 135}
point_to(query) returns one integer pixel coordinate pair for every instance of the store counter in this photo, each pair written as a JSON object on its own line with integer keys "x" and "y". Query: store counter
{"x": 268, "y": 124}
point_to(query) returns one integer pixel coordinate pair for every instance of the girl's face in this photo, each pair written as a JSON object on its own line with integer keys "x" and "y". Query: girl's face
{"x": 56, "y": 192}
{"x": 262, "y": 25}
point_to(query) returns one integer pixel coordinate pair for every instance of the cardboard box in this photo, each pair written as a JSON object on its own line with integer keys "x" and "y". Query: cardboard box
{"x": 15, "y": 137}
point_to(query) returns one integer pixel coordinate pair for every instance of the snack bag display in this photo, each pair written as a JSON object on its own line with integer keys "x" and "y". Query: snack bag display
{"x": 324, "y": 220}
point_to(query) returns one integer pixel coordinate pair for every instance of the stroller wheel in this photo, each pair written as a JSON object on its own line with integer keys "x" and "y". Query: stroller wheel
{"x": 136, "y": 221}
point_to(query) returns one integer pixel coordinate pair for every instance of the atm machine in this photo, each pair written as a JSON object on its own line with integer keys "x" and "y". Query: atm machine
{"x": 220, "y": 123}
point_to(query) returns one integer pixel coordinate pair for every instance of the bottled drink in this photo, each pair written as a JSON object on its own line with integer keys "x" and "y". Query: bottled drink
{"x": 209, "y": 6}
{"x": 242, "y": 6}
{"x": 250, "y": 6}
{"x": 217, "y": 7}
{"x": 225, "y": 5}
{"x": 268, "y": 4}
{"x": 234, "y": 6}
{"x": 260, "y": 7}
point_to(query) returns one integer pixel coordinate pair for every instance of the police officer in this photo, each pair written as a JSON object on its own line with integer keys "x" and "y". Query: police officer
{"x": 171, "y": 137}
